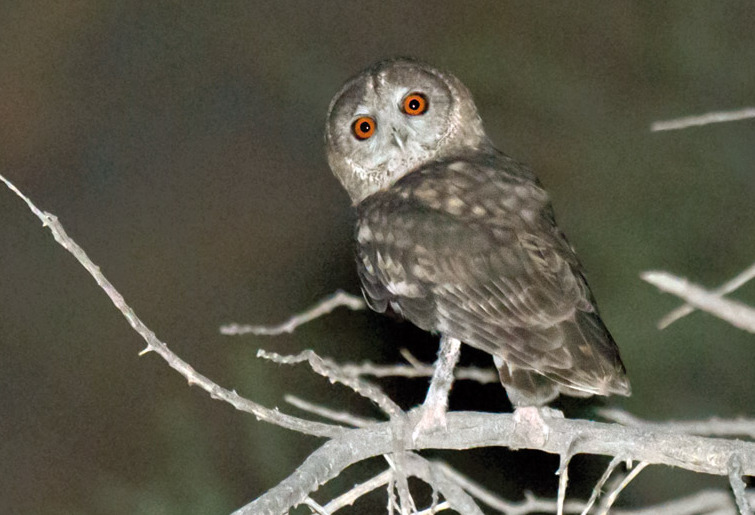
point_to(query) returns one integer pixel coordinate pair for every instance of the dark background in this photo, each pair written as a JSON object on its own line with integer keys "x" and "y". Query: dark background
{"x": 181, "y": 145}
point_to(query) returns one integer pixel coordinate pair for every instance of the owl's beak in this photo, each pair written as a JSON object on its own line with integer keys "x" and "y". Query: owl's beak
{"x": 399, "y": 139}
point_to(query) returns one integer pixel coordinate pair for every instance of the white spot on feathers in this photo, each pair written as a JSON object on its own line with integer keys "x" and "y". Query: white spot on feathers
{"x": 404, "y": 289}
{"x": 365, "y": 234}
{"x": 454, "y": 205}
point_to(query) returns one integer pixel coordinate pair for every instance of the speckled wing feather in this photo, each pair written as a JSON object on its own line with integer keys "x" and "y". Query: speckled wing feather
{"x": 469, "y": 248}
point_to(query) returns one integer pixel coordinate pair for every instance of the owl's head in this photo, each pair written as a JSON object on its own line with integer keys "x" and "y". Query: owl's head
{"x": 394, "y": 117}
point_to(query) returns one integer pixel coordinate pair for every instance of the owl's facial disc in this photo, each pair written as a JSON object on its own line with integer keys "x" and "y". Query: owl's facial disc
{"x": 392, "y": 119}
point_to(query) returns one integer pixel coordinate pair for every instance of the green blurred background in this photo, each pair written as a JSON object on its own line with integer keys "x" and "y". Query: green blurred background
{"x": 181, "y": 145}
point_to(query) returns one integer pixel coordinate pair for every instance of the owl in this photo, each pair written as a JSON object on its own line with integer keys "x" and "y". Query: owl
{"x": 461, "y": 239}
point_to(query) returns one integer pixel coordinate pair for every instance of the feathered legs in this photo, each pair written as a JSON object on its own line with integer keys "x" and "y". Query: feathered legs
{"x": 436, "y": 402}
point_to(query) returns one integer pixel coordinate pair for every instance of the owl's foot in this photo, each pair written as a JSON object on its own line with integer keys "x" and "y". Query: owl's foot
{"x": 530, "y": 422}
{"x": 432, "y": 418}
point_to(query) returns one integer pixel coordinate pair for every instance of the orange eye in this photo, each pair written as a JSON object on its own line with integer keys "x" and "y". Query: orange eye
{"x": 364, "y": 127}
{"x": 415, "y": 104}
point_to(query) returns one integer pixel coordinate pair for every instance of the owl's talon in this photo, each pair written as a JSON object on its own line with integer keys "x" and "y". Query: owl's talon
{"x": 530, "y": 421}
{"x": 432, "y": 418}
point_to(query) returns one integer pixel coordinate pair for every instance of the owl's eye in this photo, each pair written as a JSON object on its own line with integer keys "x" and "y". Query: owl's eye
{"x": 364, "y": 127}
{"x": 414, "y": 104}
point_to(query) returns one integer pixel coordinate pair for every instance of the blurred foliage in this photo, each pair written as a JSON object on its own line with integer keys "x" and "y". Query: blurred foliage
{"x": 180, "y": 143}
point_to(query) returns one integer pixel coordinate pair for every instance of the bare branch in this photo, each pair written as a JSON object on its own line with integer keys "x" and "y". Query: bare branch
{"x": 467, "y": 430}
{"x": 563, "y": 481}
{"x": 453, "y": 493}
{"x": 728, "y": 287}
{"x": 736, "y": 313}
{"x": 529, "y": 505}
{"x": 400, "y": 483}
{"x": 705, "y": 119}
{"x": 437, "y": 509}
{"x": 329, "y": 369}
{"x": 348, "y": 498}
{"x": 323, "y": 307}
{"x": 154, "y": 344}
{"x": 704, "y": 502}
{"x": 738, "y": 485}
{"x": 416, "y": 368}
{"x": 615, "y": 462}
{"x": 708, "y": 502}
{"x": 316, "y": 508}
{"x": 712, "y": 427}
{"x": 337, "y": 416}
{"x": 614, "y": 494}
{"x": 649, "y": 445}
{"x": 470, "y": 486}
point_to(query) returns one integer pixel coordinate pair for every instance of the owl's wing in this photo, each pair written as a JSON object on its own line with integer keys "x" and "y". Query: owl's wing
{"x": 482, "y": 260}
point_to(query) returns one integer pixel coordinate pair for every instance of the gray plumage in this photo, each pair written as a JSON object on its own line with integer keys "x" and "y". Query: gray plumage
{"x": 461, "y": 239}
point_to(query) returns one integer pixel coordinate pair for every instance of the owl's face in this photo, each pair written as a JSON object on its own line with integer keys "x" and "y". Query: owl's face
{"x": 393, "y": 118}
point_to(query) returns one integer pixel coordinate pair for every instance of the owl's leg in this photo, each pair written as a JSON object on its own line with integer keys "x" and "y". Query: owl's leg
{"x": 433, "y": 410}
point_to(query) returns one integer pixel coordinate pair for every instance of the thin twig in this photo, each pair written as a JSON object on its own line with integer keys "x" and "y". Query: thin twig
{"x": 614, "y": 494}
{"x": 563, "y": 480}
{"x": 323, "y": 307}
{"x": 736, "y": 313}
{"x": 411, "y": 359}
{"x": 705, "y": 119}
{"x": 703, "y": 502}
{"x": 155, "y": 345}
{"x": 728, "y": 287}
{"x": 473, "y": 488}
{"x": 417, "y": 368}
{"x": 445, "y": 505}
{"x": 712, "y": 427}
{"x": 738, "y": 485}
{"x": 529, "y": 505}
{"x": 337, "y": 416}
{"x": 398, "y": 463}
{"x": 435, "y": 498}
{"x": 459, "y": 500}
{"x": 392, "y": 494}
{"x": 615, "y": 462}
{"x": 706, "y": 502}
{"x": 359, "y": 490}
{"x": 316, "y": 508}
{"x": 327, "y": 368}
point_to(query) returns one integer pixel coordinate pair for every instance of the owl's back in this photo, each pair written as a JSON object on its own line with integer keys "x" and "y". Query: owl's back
{"x": 469, "y": 247}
